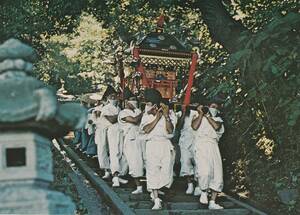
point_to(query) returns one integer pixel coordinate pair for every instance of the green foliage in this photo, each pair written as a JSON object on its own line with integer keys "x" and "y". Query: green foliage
{"x": 27, "y": 20}
{"x": 77, "y": 58}
{"x": 22, "y": 19}
{"x": 258, "y": 13}
{"x": 261, "y": 83}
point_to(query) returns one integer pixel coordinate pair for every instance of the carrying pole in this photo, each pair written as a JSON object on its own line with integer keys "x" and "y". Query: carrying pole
{"x": 187, "y": 97}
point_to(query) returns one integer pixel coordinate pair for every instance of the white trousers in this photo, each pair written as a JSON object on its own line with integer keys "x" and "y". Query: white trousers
{"x": 209, "y": 164}
{"x": 102, "y": 147}
{"x": 160, "y": 156}
{"x": 115, "y": 139}
{"x": 142, "y": 141}
{"x": 134, "y": 156}
{"x": 186, "y": 143}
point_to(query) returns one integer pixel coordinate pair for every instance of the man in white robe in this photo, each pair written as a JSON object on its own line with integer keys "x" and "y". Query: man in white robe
{"x": 209, "y": 128}
{"x": 118, "y": 162}
{"x": 142, "y": 136}
{"x": 186, "y": 144}
{"x": 159, "y": 150}
{"x": 108, "y": 117}
{"x": 129, "y": 120}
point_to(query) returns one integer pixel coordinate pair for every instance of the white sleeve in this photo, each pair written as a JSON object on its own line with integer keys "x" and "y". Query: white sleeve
{"x": 174, "y": 119}
{"x": 105, "y": 111}
{"x": 221, "y": 131}
{"x": 218, "y": 119}
{"x": 122, "y": 114}
{"x": 138, "y": 111}
{"x": 94, "y": 118}
{"x": 98, "y": 108}
{"x": 109, "y": 110}
{"x": 146, "y": 119}
{"x": 194, "y": 114}
{"x": 178, "y": 114}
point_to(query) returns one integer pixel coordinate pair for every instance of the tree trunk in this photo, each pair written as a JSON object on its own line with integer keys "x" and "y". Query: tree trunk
{"x": 223, "y": 28}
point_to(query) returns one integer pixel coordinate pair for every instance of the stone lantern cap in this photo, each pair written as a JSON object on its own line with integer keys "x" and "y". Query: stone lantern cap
{"x": 15, "y": 49}
{"x": 27, "y": 103}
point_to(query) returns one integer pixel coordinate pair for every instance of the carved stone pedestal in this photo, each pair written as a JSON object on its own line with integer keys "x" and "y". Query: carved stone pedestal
{"x": 25, "y": 173}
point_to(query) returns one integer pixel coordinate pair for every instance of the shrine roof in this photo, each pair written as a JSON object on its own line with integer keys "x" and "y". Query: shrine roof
{"x": 163, "y": 44}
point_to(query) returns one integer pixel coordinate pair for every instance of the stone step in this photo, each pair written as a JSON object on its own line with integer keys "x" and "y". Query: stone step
{"x": 174, "y": 202}
{"x": 196, "y": 205}
{"x": 169, "y": 206}
{"x": 130, "y": 197}
{"x": 237, "y": 211}
{"x": 185, "y": 206}
{"x": 178, "y": 205}
{"x": 181, "y": 198}
{"x": 125, "y": 195}
{"x": 123, "y": 190}
{"x": 140, "y": 204}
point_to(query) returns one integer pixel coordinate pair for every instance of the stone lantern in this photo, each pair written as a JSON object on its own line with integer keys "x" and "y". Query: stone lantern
{"x": 30, "y": 117}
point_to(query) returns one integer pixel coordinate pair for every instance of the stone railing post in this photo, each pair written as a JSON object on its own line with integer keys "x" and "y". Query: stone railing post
{"x": 30, "y": 117}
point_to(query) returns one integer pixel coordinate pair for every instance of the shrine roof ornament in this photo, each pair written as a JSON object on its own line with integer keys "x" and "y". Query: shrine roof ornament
{"x": 161, "y": 44}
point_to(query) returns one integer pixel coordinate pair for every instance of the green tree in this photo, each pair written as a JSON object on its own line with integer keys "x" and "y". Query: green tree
{"x": 78, "y": 58}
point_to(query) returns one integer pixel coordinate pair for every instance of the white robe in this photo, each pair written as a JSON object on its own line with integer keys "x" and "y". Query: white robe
{"x": 101, "y": 137}
{"x": 132, "y": 145}
{"x": 142, "y": 138}
{"x": 118, "y": 162}
{"x": 160, "y": 154}
{"x": 92, "y": 116}
{"x": 186, "y": 143}
{"x": 207, "y": 156}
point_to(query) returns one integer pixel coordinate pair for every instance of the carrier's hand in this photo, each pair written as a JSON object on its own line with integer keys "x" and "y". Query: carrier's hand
{"x": 159, "y": 113}
{"x": 199, "y": 109}
{"x": 165, "y": 109}
{"x": 207, "y": 114}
